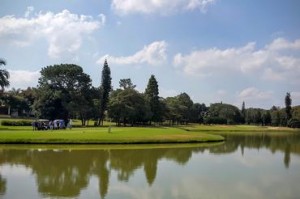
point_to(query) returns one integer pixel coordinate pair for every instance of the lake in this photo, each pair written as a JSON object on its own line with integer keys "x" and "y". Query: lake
{"x": 241, "y": 167}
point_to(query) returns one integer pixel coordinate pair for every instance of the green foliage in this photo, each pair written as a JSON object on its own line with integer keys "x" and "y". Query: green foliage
{"x": 16, "y": 123}
{"x": 4, "y": 76}
{"x": 215, "y": 120}
{"x": 293, "y": 123}
{"x": 151, "y": 94}
{"x": 296, "y": 112}
{"x": 105, "y": 89}
{"x": 126, "y": 84}
{"x": 278, "y": 117}
{"x": 198, "y": 112}
{"x": 179, "y": 108}
{"x": 64, "y": 90}
{"x": 254, "y": 116}
{"x": 288, "y": 108}
{"x": 228, "y": 112}
{"x": 243, "y": 112}
{"x": 128, "y": 106}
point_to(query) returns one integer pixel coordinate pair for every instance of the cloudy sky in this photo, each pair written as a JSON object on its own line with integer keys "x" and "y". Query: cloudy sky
{"x": 214, "y": 50}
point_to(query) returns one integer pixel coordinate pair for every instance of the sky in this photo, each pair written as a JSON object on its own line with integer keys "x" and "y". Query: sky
{"x": 226, "y": 51}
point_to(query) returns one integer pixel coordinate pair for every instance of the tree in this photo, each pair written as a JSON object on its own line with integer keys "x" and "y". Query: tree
{"x": 128, "y": 107}
{"x": 105, "y": 89}
{"x": 4, "y": 76}
{"x": 126, "y": 83}
{"x": 151, "y": 94}
{"x": 243, "y": 112}
{"x": 19, "y": 101}
{"x": 254, "y": 116}
{"x": 63, "y": 90}
{"x": 179, "y": 108}
{"x": 185, "y": 106}
{"x": 197, "y": 113}
{"x": 288, "y": 108}
{"x": 221, "y": 112}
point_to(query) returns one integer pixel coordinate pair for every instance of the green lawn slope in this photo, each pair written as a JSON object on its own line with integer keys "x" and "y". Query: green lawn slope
{"x": 100, "y": 135}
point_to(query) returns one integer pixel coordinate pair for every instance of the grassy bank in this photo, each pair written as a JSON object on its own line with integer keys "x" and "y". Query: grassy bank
{"x": 239, "y": 129}
{"x": 118, "y": 135}
{"x": 134, "y": 135}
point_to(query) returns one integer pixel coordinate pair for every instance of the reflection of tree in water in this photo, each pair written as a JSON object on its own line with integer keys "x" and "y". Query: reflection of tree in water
{"x": 61, "y": 173}
{"x": 286, "y": 144}
{"x": 99, "y": 168}
{"x": 287, "y": 156}
{"x": 65, "y": 173}
{"x": 2, "y": 185}
{"x": 125, "y": 162}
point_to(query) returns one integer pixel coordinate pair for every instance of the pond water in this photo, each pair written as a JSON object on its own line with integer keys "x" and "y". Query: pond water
{"x": 242, "y": 167}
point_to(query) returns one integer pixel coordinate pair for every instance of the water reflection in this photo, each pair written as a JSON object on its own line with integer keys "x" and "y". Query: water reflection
{"x": 286, "y": 144}
{"x": 65, "y": 173}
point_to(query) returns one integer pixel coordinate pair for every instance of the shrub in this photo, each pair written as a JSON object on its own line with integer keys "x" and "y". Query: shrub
{"x": 16, "y": 123}
{"x": 294, "y": 123}
{"x": 215, "y": 120}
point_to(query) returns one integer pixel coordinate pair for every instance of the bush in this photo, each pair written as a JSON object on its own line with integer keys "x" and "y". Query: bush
{"x": 215, "y": 120}
{"x": 294, "y": 123}
{"x": 16, "y": 123}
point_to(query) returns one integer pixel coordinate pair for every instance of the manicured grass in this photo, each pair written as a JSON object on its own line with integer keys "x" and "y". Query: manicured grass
{"x": 118, "y": 135}
{"x": 239, "y": 129}
{"x": 134, "y": 135}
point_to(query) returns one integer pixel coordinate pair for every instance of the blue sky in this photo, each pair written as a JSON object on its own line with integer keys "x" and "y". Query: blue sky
{"x": 214, "y": 50}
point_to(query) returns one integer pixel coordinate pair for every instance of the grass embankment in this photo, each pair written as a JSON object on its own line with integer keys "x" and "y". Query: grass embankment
{"x": 118, "y": 135}
{"x": 240, "y": 129}
{"x": 134, "y": 135}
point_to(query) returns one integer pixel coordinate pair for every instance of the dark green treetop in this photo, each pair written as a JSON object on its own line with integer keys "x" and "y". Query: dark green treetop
{"x": 4, "y": 76}
{"x": 151, "y": 94}
{"x": 105, "y": 89}
{"x": 288, "y": 107}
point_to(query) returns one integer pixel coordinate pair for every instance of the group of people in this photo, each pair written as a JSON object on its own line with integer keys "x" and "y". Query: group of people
{"x": 51, "y": 125}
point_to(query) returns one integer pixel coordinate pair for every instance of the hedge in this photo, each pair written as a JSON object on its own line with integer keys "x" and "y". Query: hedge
{"x": 16, "y": 123}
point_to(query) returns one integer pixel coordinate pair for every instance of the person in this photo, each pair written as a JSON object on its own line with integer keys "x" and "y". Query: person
{"x": 34, "y": 125}
{"x": 70, "y": 123}
{"x": 51, "y": 125}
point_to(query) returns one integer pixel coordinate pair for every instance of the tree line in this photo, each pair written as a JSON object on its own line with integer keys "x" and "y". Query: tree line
{"x": 65, "y": 91}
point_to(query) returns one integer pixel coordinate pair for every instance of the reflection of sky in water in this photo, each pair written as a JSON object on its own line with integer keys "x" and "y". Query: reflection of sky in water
{"x": 255, "y": 173}
{"x": 20, "y": 182}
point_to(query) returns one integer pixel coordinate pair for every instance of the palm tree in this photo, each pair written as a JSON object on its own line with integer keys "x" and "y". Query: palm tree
{"x": 4, "y": 75}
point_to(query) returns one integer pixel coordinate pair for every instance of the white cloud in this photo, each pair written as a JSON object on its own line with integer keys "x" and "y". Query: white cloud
{"x": 279, "y": 60}
{"x": 23, "y": 79}
{"x": 283, "y": 44}
{"x": 162, "y": 7}
{"x": 254, "y": 97}
{"x": 29, "y": 10}
{"x": 63, "y": 31}
{"x": 152, "y": 54}
{"x": 254, "y": 93}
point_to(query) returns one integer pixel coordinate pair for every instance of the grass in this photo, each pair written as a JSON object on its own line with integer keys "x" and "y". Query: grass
{"x": 239, "y": 129}
{"x": 133, "y": 135}
{"x": 118, "y": 135}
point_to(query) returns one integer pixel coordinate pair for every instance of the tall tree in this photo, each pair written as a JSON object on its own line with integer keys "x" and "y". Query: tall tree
{"x": 64, "y": 90}
{"x": 151, "y": 94}
{"x": 4, "y": 76}
{"x": 243, "y": 112}
{"x": 288, "y": 107}
{"x": 105, "y": 89}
